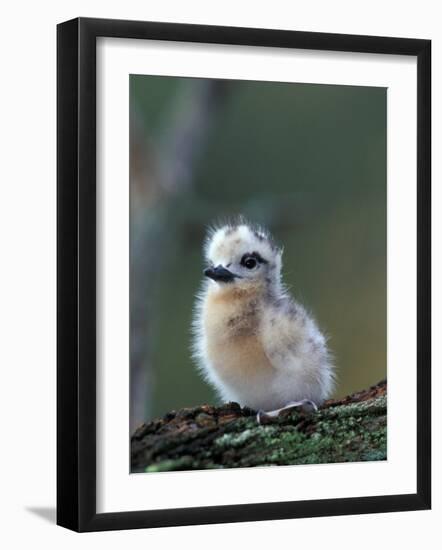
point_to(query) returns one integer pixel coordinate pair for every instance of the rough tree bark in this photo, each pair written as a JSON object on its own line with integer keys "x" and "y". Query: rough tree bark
{"x": 346, "y": 430}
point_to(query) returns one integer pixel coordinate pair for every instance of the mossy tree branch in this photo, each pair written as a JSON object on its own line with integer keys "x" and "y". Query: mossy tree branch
{"x": 346, "y": 430}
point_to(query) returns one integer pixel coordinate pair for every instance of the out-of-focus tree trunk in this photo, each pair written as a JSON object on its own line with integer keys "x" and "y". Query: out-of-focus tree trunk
{"x": 160, "y": 171}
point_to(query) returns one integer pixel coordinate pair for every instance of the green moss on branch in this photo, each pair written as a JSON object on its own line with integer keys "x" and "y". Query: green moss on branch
{"x": 351, "y": 429}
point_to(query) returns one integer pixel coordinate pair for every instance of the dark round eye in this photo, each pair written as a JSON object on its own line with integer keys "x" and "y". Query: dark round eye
{"x": 249, "y": 262}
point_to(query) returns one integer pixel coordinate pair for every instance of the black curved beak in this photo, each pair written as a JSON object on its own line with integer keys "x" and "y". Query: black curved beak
{"x": 220, "y": 273}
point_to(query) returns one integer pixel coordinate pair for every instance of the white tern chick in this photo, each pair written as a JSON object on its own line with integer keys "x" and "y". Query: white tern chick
{"x": 252, "y": 341}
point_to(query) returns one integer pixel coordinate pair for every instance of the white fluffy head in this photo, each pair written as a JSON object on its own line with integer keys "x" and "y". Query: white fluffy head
{"x": 247, "y": 251}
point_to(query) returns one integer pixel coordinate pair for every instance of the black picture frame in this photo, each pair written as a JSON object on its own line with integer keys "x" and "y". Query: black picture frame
{"x": 76, "y": 273}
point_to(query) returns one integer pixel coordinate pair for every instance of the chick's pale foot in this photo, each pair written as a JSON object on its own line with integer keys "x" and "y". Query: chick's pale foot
{"x": 305, "y": 404}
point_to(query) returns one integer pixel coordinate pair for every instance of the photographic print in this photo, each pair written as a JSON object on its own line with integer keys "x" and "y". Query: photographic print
{"x": 222, "y": 290}
{"x": 257, "y": 273}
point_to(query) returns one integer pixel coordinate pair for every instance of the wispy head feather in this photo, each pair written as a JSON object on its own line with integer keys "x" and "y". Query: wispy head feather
{"x": 240, "y": 228}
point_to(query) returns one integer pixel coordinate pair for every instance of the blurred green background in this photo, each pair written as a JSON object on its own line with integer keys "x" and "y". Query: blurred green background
{"x": 308, "y": 162}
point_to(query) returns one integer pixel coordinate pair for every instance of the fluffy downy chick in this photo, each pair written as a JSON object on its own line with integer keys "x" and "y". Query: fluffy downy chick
{"x": 253, "y": 342}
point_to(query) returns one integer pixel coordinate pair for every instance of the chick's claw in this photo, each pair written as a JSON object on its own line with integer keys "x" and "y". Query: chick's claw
{"x": 306, "y": 405}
